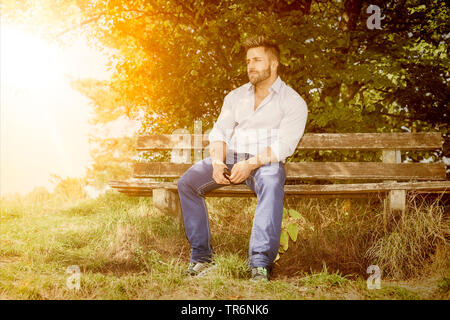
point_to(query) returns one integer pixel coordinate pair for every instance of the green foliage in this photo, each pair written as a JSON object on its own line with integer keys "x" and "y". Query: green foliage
{"x": 176, "y": 64}
{"x": 324, "y": 279}
{"x": 69, "y": 188}
{"x": 112, "y": 159}
{"x": 294, "y": 214}
{"x": 284, "y": 241}
{"x": 292, "y": 230}
{"x": 174, "y": 61}
{"x": 289, "y": 230}
{"x": 38, "y": 195}
{"x": 444, "y": 284}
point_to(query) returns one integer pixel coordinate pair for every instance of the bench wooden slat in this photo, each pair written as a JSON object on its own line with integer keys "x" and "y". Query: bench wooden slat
{"x": 386, "y": 175}
{"x": 145, "y": 188}
{"x": 318, "y": 170}
{"x": 313, "y": 141}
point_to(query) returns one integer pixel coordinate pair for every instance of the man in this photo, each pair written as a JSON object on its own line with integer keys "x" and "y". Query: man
{"x": 259, "y": 126}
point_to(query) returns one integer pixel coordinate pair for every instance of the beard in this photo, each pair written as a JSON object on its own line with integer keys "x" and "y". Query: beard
{"x": 256, "y": 77}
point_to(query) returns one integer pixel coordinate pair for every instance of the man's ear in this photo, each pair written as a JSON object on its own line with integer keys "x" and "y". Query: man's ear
{"x": 274, "y": 64}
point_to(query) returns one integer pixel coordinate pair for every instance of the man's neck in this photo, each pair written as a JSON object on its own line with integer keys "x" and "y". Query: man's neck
{"x": 263, "y": 86}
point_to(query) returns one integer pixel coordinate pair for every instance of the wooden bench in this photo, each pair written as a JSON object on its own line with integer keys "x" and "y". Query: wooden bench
{"x": 389, "y": 178}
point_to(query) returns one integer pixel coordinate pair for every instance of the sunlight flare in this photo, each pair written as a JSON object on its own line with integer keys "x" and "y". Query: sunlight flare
{"x": 44, "y": 122}
{"x": 28, "y": 62}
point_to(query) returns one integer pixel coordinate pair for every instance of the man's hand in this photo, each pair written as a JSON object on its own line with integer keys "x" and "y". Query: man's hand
{"x": 241, "y": 171}
{"x": 218, "y": 170}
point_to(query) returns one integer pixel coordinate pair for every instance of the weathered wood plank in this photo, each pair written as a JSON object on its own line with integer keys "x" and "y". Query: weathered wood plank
{"x": 372, "y": 141}
{"x": 396, "y": 199}
{"x": 331, "y": 189}
{"x": 379, "y": 195}
{"x": 318, "y": 170}
{"x": 312, "y": 141}
{"x": 167, "y": 201}
{"x": 170, "y": 141}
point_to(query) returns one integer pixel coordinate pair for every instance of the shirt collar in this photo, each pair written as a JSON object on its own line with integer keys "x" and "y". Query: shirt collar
{"x": 276, "y": 86}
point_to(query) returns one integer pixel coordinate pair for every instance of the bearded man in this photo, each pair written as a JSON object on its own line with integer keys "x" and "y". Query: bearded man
{"x": 259, "y": 126}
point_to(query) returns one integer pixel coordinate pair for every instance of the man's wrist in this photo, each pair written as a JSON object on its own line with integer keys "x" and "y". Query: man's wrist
{"x": 253, "y": 163}
{"x": 217, "y": 162}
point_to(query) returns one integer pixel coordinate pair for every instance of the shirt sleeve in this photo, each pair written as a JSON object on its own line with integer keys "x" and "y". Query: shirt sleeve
{"x": 223, "y": 128}
{"x": 291, "y": 128}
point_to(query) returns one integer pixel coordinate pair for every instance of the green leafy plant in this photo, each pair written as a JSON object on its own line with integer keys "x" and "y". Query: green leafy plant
{"x": 289, "y": 229}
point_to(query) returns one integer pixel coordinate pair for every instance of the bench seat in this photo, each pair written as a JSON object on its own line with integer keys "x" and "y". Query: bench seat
{"x": 140, "y": 188}
{"x": 388, "y": 178}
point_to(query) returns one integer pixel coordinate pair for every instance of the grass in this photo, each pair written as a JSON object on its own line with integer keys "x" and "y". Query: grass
{"x": 126, "y": 249}
{"x": 414, "y": 237}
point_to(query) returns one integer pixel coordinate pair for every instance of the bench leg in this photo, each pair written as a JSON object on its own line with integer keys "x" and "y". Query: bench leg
{"x": 168, "y": 202}
{"x": 394, "y": 205}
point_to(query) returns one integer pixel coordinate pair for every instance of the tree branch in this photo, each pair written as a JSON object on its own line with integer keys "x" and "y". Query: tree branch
{"x": 93, "y": 19}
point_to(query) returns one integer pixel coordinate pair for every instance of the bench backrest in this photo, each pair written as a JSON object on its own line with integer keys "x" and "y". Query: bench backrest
{"x": 389, "y": 167}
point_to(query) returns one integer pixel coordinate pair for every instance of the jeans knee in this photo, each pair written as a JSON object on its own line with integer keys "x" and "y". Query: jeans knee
{"x": 182, "y": 183}
{"x": 271, "y": 183}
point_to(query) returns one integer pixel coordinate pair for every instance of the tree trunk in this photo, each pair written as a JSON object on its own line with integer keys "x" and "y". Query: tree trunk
{"x": 352, "y": 9}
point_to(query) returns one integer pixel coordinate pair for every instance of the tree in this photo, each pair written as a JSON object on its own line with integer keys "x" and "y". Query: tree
{"x": 69, "y": 188}
{"x": 175, "y": 61}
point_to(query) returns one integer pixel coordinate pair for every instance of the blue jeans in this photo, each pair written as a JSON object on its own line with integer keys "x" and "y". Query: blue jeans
{"x": 268, "y": 184}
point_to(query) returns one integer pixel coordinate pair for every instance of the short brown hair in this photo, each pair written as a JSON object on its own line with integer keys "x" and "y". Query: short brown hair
{"x": 261, "y": 41}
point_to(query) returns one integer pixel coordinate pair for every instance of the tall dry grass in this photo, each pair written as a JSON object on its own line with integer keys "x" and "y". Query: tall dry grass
{"x": 332, "y": 232}
{"x": 126, "y": 249}
{"x": 350, "y": 235}
{"x": 418, "y": 241}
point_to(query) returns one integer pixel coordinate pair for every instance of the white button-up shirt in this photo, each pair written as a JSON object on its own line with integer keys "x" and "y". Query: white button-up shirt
{"x": 278, "y": 122}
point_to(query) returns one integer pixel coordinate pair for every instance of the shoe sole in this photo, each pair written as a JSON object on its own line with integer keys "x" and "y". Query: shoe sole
{"x": 201, "y": 273}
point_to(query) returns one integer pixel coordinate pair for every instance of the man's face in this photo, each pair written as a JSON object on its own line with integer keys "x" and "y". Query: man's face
{"x": 258, "y": 65}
